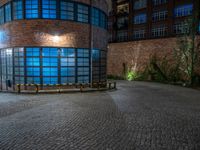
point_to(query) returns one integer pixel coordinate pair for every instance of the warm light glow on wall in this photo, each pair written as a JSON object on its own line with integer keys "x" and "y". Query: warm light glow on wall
{"x": 67, "y": 39}
{"x": 56, "y": 39}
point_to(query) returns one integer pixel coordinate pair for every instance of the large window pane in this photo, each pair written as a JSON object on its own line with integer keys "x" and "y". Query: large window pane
{"x": 49, "y": 9}
{"x": 83, "y": 62}
{"x": 82, "y": 13}
{"x": 183, "y": 10}
{"x": 66, "y": 10}
{"x": 17, "y": 9}
{"x": 31, "y": 7}
{"x": 8, "y": 12}
{"x": 49, "y": 52}
{"x": 2, "y": 15}
{"x": 95, "y": 16}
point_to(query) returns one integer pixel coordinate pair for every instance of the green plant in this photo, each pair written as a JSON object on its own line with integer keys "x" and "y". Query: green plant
{"x": 187, "y": 50}
{"x": 132, "y": 75}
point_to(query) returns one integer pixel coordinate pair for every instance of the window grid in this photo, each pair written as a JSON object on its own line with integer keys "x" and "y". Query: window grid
{"x": 183, "y": 10}
{"x": 69, "y": 10}
{"x": 8, "y": 12}
{"x": 17, "y": 9}
{"x": 159, "y": 31}
{"x": 160, "y": 15}
{"x": 139, "y": 34}
{"x": 82, "y": 13}
{"x": 66, "y": 10}
{"x": 49, "y": 9}
{"x": 31, "y": 8}
{"x": 140, "y": 18}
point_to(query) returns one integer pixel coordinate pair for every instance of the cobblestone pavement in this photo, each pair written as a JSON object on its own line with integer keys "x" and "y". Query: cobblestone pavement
{"x": 138, "y": 116}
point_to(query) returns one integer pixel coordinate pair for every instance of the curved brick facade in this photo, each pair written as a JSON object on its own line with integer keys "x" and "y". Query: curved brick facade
{"x": 87, "y": 43}
{"x": 41, "y": 32}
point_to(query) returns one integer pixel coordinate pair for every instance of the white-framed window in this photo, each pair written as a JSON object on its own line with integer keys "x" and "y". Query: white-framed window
{"x": 160, "y": 15}
{"x": 159, "y": 31}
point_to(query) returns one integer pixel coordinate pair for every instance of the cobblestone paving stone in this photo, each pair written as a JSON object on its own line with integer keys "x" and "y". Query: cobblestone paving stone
{"x": 138, "y": 116}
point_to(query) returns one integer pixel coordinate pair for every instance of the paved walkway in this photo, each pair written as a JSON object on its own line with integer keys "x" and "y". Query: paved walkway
{"x": 138, "y": 116}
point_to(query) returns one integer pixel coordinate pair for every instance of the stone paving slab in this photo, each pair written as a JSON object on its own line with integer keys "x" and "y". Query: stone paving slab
{"x": 138, "y": 116}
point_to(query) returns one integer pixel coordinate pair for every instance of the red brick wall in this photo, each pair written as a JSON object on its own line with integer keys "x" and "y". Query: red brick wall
{"x": 41, "y": 32}
{"x": 136, "y": 54}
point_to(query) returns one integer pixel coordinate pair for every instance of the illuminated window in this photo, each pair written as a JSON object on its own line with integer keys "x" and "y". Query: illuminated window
{"x": 2, "y": 15}
{"x": 19, "y": 65}
{"x": 49, "y": 9}
{"x": 103, "y": 20}
{"x": 17, "y": 9}
{"x": 66, "y": 10}
{"x": 140, "y": 18}
{"x": 83, "y": 65}
{"x": 33, "y": 65}
{"x": 50, "y": 65}
{"x": 95, "y": 16}
{"x": 183, "y": 10}
{"x": 82, "y": 13}
{"x": 8, "y": 12}
{"x": 31, "y": 7}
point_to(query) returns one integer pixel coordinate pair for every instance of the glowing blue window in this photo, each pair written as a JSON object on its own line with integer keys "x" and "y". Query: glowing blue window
{"x": 33, "y": 80}
{"x": 95, "y": 55}
{"x": 183, "y": 10}
{"x": 49, "y": 52}
{"x": 34, "y": 52}
{"x": 83, "y": 79}
{"x": 31, "y": 71}
{"x": 67, "y": 79}
{"x": 83, "y": 71}
{"x": 67, "y": 52}
{"x": 140, "y": 18}
{"x": 82, "y": 53}
{"x": 67, "y": 61}
{"x": 70, "y": 71}
{"x": 83, "y": 61}
{"x": 66, "y": 10}
{"x": 17, "y": 9}
{"x": 103, "y": 22}
{"x": 50, "y": 80}
{"x": 31, "y": 7}
{"x": 83, "y": 13}
{"x": 49, "y": 71}
{"x": 49, "y": 9}
{"x": 95, "y": 16}
{"x": 2, "y": 15}
{"x": 50, "y": 62}
{"x": 32, "y": 61}
{"x": 8, "y": 12}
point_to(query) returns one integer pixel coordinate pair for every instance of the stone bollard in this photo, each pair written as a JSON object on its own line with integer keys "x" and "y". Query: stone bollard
{"x": 18, "y": 88}
{"x": 36, "y": 88}
{"x": 115, "y": 85}
{"x": 109, "y": 85}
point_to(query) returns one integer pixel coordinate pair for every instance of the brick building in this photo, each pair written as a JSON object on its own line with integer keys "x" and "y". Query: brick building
{"x": 140, "y": 28}
{"x": 52, "y": 42}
